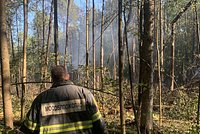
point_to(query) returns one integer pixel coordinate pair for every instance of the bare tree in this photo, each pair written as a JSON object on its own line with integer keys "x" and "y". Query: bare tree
{"x": 113, "y": 51}
{"x": 87, "y": 44}
{"x": 101, "y": 47}
{"x": 42, "y": 71}
{"x": 5, "y": 69}
{"x": 146, "y": 77}
{"x": 18, "y": 47}
{"x": 140, "y": 31}
{"x": 43, "y": 45}
{"x": 24, "y": 58}
{"x": 120, "y": 45}
{"x": 173, "y": 23}
{"x": 160, "y": 61}
{"x": 67, "y": 31}
{"x": 198, "y": 110}
{"x": 198, "y": 56}
{"x": 125, "y": 43}
{"x": 56, "y": 32}
{"x": 172, "y": 55}
{"x": 48, "y": 39}
{"x": 94, "y": 46}
{"x": 161, "y": 23}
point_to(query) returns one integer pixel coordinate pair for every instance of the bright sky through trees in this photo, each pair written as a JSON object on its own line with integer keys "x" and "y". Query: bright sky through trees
{"x": 81, "y": 3}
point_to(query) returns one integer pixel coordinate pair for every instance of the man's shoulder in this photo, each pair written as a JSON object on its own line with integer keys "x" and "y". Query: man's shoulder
{"x": 39, "y": 97}
{"x": 81, "y": 88}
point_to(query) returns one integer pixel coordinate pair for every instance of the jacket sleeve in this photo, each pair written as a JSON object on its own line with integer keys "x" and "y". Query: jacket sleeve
{"x": 99, "y": 126}
{"x": 30, "y": 124}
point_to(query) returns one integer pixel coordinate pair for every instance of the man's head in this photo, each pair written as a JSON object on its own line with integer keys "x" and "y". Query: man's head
{"x": 59, "y": 73}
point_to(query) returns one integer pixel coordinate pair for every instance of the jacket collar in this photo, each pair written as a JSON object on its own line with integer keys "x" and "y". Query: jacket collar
{"x": 62, "y": 83}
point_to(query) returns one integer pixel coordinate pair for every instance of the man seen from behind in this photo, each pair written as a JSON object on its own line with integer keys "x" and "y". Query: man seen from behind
{"x": 64, "y": 109}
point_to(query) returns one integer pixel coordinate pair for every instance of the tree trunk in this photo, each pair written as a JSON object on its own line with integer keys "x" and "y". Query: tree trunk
{"x": 140, "y": 31}
{"x": 147, "y": 69}
{"x": 198, "y": 110}
{"x": 43, "y": 27}
{"x": 18, "y": 71}
{"x": 42, "y": 76}
{"x": 172, "y": 55}
{"x": 198, "y": 60}
{"x": 129, "y": 63}
{"x": 79, "y": 44}
{"x": 161, "y": 19}
{"x": 113, "y": 51}
{"x": 173, "y": 40}
{"x": 193, "y": 39}
{"x": 133, "y": 42}
{"x": 160, "y": 62}
{"x": 56, "y": 32}
{"x": 197, "y": 33}
{"x": 67, "y": 24}
{"x": 43, "y": 45}
{"x": 87, "y": 44}
{"x": 5, "y": 70}
{"x": 94, "y": 46}
{"x": 17, "y": 30}
{"x": 102, "y": 48}
{"x": 184, "y": 51}
{"x": 48, "y": 40}
{"x": 71, "y": 51}
{"x": 11, "y": 39}
{"x": 13, "y": 56}
{"x": 120, "y": 45}
{"x": 24, "y": 59}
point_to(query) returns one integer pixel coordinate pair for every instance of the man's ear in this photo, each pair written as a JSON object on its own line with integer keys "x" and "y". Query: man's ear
{"x": 67, "y": 77}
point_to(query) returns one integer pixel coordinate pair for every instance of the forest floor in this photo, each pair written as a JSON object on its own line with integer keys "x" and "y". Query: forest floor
{"x": 179, "y": 111}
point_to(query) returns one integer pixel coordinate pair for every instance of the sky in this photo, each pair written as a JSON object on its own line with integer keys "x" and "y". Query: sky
{"x": 81, "y": 3}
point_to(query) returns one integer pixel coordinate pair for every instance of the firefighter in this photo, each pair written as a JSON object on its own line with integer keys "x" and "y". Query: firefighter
{"x": 63, "y": 109}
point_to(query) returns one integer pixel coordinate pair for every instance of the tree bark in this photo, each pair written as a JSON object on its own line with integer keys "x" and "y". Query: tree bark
{"x": 140, "y": 31}
{"x": 160, "y": 62}
{"x": 42, "y": 76}
{"x": 113, "y": 51}
{"x": 129, "y": 63}
{"x": 48, "y": 40}
{"x": 19, "y": 64}
{"x": 147, "y": 69}
{"x": 24, "y": 59}
{"x": 161, "y": 21}
{"x": 102, "y": 48}
{"x": 198, "y": 60}
{"x": 67, "y": 31}
{"x": 79, "y": 44}
{"x": 5, "y": 69}
{"x": 173, "y": 40}
{"x": 56, "y": 32}
{"x": 172, "y": 55}
{"x": 87, "y": 44}
{"x": 94, "y": 46}
{"x": 120, "y": 45}
{"x": 43, "y": 86}
{"x": 198, "y": 110}
{"x": 197, "y": 32}
{"x": 13, "y": 55}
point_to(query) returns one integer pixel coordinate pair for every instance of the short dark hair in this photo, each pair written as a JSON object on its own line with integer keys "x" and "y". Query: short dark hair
{"x": 58, "y": 73}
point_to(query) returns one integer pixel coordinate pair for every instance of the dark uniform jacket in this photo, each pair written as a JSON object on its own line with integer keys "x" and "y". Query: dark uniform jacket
{"x": 64, "y": 109}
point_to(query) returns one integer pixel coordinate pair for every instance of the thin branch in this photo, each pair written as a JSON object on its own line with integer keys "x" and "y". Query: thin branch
{"x": 182, "y": 11}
